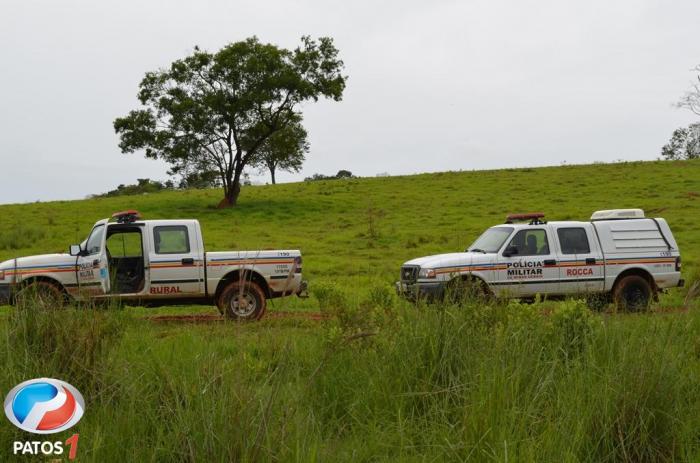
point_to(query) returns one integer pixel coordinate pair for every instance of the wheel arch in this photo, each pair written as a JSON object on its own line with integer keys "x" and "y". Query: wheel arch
{"x": 471, "y": 278}
{"x": 638, "y": 271}
{"x": 42, "y": 278}
{"x": 242, "y": 275}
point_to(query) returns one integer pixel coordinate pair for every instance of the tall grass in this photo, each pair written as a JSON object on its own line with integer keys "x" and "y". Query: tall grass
{"x": 74, "y": 344}
{"x": 496, "y": 382}
{"x": 518, "y": 383}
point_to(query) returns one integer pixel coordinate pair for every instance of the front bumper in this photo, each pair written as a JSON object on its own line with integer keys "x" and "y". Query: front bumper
{"x": 5, "y": 294}
{"x": 420, "y": 290}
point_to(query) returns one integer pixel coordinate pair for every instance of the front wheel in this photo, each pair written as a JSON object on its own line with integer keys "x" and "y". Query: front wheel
{"x": 242, "y": 300}
{"x": 632, "y": 293}
{"x": 461, "y": 290}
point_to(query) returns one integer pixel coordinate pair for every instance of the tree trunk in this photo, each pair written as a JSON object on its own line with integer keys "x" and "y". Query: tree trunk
{"x": 232, "y": 191}
{"x": 230, "y": 196}
{"x": 272, "y": 174}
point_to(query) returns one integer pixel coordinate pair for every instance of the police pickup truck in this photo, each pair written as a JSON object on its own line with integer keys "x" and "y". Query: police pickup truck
{"x": 618, "y": 253}
{"x": 155, "y": 262}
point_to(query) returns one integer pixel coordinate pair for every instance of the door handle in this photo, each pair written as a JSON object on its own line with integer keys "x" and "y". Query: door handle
{"x": 590, "y": 260}
{"x": 550, "y": 262}
{"x": 188, "y": 261}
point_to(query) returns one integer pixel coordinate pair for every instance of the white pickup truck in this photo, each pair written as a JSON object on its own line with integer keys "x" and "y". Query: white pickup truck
{"x": 155, "y": 262}
{"x": 618, "y": 253}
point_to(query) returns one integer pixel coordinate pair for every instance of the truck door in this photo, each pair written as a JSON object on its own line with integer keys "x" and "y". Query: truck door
{"x": 581, "y": 264}
{"x": 528, "y": 264}
{"x": 127, "y": 266}
{"x": 176, "y": 261}
{"x": 93, "y": 265}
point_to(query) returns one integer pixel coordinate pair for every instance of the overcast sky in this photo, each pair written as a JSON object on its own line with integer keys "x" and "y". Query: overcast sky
{"x": 440, "y": 85}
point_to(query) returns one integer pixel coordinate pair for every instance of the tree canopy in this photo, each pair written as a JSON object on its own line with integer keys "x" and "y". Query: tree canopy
{"x": 285, "y": 150}
{"x": 215, "y": 111}
{"x": 684, "y": 143}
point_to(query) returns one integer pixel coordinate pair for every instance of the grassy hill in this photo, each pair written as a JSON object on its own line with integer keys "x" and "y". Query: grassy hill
{"x": 380, "y": 379}
{"x": 358, "y": 231}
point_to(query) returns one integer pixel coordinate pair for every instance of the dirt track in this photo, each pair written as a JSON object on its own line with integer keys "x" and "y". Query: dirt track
{"x": 212, "y": 318}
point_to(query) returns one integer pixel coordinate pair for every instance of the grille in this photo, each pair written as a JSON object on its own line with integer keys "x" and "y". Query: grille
{"x": 409, "y": 273}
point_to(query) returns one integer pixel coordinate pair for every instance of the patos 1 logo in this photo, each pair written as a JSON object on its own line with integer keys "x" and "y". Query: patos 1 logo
{"x": 45, "y": 406}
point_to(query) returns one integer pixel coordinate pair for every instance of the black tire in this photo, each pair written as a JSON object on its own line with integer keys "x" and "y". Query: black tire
{"x": 461, "y": 290}
{"x": 242, "y": 300}
{"x": 42, "y": 295}
{"x": 632, "y": 293}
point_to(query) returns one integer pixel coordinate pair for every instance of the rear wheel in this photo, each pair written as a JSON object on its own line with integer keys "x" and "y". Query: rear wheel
{"x": 632, "y": 293}
{"x": 42, "y": 295}
{"x": 242, "y": 300}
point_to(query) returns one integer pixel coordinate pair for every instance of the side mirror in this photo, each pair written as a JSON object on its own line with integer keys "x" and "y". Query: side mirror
{"x": 510, "y": 251}
{"x": 74, "y": 250}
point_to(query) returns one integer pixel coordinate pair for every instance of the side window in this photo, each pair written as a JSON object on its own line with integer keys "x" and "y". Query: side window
{"x": 573, "y": 241}
{"x": 530, "y": 242}
{"x": 125, "y": 244}
{"x": 171, "y": 239}
{"x": 94, "y": 243}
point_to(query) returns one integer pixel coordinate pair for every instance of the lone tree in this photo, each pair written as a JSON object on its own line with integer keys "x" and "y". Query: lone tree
{"x": 284, "y": 150}
{"x": 684, "y": 143}
{"x": 215, "y": 111}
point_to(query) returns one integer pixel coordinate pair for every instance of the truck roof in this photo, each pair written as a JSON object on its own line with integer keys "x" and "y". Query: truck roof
{"x": 153, "y": 222}
{"x": 572, "y": 223}
{"x": 132, "y": 216}
{"x": 558, "y": 222}
{"x": 609, "y": 215}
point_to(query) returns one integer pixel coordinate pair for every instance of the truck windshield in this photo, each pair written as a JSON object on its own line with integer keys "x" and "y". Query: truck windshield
{"x": 93, "y": 244}
{"x": 491, "y": 240}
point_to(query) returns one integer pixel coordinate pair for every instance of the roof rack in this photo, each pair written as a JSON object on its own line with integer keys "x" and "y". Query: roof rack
{"x": 533, "y": 217}
{"x": 128, "y": 216}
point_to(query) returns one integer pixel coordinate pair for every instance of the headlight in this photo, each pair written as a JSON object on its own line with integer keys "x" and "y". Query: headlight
{"x": 426, "y": 273}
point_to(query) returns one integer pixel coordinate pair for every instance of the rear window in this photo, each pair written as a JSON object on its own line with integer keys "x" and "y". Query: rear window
{"x": 171, "y": 239}
{"x": 573, "y": 241}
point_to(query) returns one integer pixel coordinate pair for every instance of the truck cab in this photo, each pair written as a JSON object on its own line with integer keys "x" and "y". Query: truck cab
{"x": 154, "y": 259}
{"x": 619, "y": 252}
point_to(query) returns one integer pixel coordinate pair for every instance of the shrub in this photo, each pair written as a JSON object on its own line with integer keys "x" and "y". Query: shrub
{"x": 329, "y": 296}
{"x": 382, "y": 296}
{"x": 572, "y": 326}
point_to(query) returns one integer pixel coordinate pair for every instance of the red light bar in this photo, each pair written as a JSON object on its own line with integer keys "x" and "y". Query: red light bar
{"x": 126, "y": 216}
{"x": 528, "y": 216}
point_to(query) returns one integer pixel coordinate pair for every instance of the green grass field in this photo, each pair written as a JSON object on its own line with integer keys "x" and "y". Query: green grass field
{"x": 380, "y": 379}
